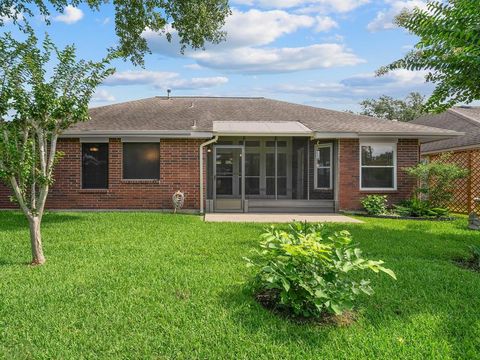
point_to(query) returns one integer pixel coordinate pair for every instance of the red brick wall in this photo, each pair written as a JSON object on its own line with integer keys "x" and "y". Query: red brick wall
{"x": 179, "y": 170}
{"x": 349, "y": 187}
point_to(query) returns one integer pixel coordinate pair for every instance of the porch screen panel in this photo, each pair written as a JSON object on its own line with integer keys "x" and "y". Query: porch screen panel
{"x": 281, "y": 174}
{"x": 276, "y": 171}
{"x": 270, "y": 173}
{"x": 252, "y": 173}
{"x": 224, "y": 164}
{"x": 252, "y": 166}
{"x": 94, "y": 166}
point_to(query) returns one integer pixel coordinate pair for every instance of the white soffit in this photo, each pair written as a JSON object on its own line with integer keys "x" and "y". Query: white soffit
{"x": 261, "y": 127}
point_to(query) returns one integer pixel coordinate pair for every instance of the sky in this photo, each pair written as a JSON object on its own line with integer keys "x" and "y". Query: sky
{"x": 321, "y": 53}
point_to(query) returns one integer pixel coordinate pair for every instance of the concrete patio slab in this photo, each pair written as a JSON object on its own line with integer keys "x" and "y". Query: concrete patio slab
{"x": 278, "y": 218}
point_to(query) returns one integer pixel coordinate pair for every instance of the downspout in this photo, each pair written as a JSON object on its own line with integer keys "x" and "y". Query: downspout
{"x": 211, "y": 141}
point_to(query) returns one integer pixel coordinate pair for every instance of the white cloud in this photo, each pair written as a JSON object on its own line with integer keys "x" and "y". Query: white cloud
{"x": 384, "y": 19}
{"x": 396, "y": 78}
{"x": 322, "y": 6}
{"x": 251, "y": 28}
{"x": 256, "y": 27}
{"x": 248, "y": 34}
{"x": 193, "y": 66}
{"x": 102, "y": 95}
{"x": 361, "y": 86}
{"x": 70, "y": 15}
{"x": 325, "y": 23}
{"x": 139, "y": 78}
{"x": 271, "y": 60}
{"x": 163, "y": 80}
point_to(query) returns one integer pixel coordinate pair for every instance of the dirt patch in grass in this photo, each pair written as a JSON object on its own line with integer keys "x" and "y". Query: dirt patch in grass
{"x": 468, "y": 264}
{"x": 269, "y": 300}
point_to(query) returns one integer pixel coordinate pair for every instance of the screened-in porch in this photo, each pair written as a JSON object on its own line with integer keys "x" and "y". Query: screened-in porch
{"x": 271, "y": 174}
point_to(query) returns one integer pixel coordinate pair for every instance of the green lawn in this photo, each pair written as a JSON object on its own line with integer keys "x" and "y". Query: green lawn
{"x": 149, "y": 285}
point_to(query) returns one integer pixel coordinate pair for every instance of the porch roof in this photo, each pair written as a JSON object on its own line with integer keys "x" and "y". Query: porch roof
{"x": 290, "y": 128}
{"x": 202, "y": 117}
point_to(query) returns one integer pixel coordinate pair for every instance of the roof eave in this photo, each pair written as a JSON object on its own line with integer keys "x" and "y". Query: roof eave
{"x": 422, "y": 136}
{"x": 167, "y": 134}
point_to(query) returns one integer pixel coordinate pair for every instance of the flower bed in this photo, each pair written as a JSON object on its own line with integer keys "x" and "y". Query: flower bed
{"x": 399, "y": 217}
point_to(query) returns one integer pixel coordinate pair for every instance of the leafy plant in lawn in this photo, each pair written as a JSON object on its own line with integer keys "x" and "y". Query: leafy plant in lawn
{"x": 310, "y": 270}
{"x": 436, "y": 179}
{"x": 419, "y": 208}
{"x": 375, "y": 204}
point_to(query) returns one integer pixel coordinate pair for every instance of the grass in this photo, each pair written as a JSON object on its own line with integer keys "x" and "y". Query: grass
{"x": 151, "y": 285}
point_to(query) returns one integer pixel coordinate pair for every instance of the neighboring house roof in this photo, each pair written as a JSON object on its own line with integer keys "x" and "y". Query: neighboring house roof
{"x": 464, "y": 119}
{"x": 206, "y": 116}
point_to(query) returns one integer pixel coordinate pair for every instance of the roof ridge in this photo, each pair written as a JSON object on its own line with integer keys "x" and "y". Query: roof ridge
{"x": 470, "y": 119}
{"x": 208, "y": 97}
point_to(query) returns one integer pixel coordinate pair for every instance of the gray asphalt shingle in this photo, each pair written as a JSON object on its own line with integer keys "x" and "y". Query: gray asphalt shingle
{"x": 461, "y": 119}
{"x": 182, "y": 113}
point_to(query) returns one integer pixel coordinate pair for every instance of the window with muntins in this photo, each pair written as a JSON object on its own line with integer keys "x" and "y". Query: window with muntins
{"x": 323, "y": 166}
{"x": 141, "y": 161}
{"x": 378, "y": 166}
{"x": 95, "y": 166}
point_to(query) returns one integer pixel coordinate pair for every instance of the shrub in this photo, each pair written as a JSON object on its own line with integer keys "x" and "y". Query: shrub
{"x": 419, "y": 208}
{"x": 375, "y": 204}
{"x": 310, "y": 269}
{"x": 437, "y": 180}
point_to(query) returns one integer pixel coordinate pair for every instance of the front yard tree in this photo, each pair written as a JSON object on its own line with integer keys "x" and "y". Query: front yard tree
{"x": 195, "y": 21}
{"x": 449, "y": 49}
{"x": 34, "y": 110}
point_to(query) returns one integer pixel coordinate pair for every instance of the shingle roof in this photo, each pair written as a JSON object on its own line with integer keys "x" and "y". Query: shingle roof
{"x": 199, "y": 114}
{"x": 462, "y": 119}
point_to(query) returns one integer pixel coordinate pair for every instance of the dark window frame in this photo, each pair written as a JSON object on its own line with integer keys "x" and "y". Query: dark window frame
{"x": 84, "y": 171}
{"x": 126, "y": 177}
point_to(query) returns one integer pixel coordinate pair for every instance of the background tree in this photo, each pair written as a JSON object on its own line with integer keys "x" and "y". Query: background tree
{"x": 34, "y": 110}
{"x": 196, "y": 21}
{"x": 449, "y": 49}
{"x": 387, "y": 107}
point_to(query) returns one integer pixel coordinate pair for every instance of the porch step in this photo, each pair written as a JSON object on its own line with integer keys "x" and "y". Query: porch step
{"x": 290, "y": 206}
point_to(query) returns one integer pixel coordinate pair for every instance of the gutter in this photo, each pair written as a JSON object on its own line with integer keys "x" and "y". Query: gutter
{"x": 138, "y": 133}
{"x": 202, "y": 146}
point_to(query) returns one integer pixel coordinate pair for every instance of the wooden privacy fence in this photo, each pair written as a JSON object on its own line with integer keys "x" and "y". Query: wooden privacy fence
{"x": 465, "y": 189}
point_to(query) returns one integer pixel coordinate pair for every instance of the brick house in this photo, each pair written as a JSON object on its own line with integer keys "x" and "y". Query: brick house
{"x": 232, "y": 155}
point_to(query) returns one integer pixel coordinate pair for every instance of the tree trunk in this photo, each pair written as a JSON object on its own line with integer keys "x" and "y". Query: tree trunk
{"x": 36, "y": 240}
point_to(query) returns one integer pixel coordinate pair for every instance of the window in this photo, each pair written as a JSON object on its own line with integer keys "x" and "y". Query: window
{"x": 378, "y": 166}
{"x": 94, "y": 166}
{"x": 323, "y": 166}
{"x": 141, "y": 161}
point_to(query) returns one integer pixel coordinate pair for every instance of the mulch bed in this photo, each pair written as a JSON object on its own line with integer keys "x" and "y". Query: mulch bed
{"x": 269, "y": 300}
{"x": 397, "y": 217}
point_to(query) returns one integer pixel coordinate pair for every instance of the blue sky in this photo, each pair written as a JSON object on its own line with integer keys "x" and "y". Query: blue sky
{"x": 317, "y": 52}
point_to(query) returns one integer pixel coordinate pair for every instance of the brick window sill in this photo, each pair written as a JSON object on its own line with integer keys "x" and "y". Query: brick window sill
{"x": 140, "y": 181}
{"x": 378, "y": 191}
{"x": 93, "y": 191}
